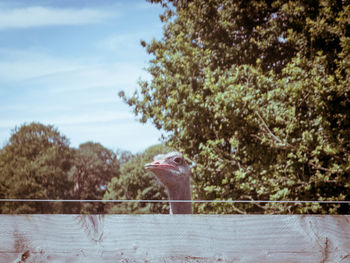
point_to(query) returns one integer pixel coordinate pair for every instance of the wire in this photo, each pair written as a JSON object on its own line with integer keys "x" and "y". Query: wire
{"x": 175, "y": 201}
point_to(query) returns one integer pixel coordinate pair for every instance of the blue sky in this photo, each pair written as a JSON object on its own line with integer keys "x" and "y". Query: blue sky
{"x": 63, "y": 62}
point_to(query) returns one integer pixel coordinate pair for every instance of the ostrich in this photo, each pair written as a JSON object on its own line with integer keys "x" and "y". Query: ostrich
{"x": 173, "y": 172}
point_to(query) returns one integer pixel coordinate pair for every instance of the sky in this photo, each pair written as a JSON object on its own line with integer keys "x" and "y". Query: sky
{"x": 63, "y": 62}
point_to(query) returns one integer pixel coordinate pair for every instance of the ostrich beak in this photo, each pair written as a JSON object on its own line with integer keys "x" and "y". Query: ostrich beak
{"x": 160, "y": 165}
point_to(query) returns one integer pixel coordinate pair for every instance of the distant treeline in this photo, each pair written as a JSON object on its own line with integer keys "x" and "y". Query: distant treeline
{"x": 38, "y": 163}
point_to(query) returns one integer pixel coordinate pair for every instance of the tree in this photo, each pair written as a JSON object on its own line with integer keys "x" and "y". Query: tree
{"x": 257, "y": 94}
{"x": 134, "y": 183}
{"x": 94, "y": 166}
{"x": 34, "y": 164}
{"x": 123, "y": 156}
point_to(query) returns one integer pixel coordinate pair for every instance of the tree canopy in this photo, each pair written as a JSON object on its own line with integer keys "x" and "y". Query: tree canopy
{"x": 94, "y": 166}
{"x": 256, "y": 93}
{"x": 38, "y": 163}
{"x": 34, "y": 165}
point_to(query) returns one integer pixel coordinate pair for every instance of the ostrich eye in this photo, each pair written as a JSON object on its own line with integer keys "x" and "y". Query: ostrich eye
{"x": 178, "y": 160}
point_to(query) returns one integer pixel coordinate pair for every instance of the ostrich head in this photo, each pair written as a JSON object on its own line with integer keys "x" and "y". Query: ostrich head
{"x": 173, "y": 172}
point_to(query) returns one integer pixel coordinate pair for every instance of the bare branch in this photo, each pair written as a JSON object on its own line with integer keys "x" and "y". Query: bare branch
{"x": 266, "y": 129}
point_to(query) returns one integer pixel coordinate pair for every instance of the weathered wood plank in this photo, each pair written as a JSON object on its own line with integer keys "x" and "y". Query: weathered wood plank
{"x": 176, "y": 238}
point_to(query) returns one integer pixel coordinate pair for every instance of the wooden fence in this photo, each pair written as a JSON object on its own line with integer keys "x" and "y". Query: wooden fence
{"x": 174, "y": 238}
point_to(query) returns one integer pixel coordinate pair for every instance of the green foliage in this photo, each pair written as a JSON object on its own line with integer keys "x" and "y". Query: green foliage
{"x": 134, "y": 183}
{"x": 94, "y": 166}
{"x": 257, "y": 94}
{"x": 34, "y": 165}
{"x": 37, "y": 163}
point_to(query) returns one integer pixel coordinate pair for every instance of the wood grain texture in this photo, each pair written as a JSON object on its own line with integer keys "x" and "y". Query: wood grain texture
{"x": 176, "y": 238}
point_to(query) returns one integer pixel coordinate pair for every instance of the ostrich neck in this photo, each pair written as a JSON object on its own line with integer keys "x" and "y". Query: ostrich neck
{"x": 181, "y": 193}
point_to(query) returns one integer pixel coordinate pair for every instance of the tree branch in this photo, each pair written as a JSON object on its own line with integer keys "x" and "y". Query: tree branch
{"x": 267, "y": 130}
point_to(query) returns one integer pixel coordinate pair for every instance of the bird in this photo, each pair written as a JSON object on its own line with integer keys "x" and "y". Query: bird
{"x": 174, "y": 173}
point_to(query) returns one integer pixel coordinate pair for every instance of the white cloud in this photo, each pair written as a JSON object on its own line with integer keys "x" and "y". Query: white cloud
{"x": 114, "y": 75}
{"x": 121, "y": 42}
{"x": 60, "y": 117}
{"x": 13, "y": 71}
{"x": 43, "y": 16}
{"x": 91, "y": 118}
{"x": 59, "y": 74}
